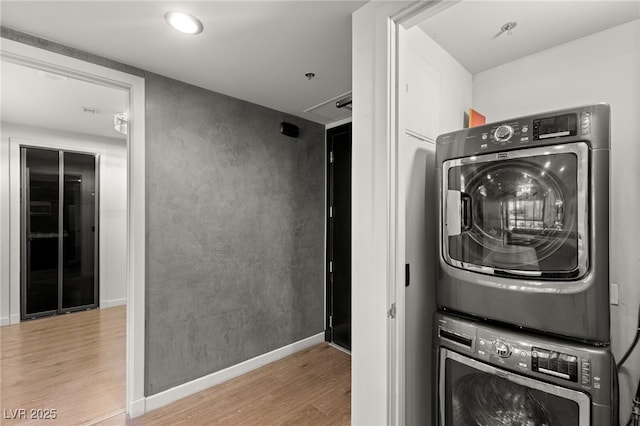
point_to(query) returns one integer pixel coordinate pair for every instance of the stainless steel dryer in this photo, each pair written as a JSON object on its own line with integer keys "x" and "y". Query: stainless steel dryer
{"x": 495, "y": 376}
{"x": 524, "y": 222}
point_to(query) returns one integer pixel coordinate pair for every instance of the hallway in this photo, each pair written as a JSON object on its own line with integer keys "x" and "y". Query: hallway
{"x": 74, "y": 366}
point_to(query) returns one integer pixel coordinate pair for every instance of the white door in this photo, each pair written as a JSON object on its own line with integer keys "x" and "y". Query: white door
{"x": 417, "y": 160}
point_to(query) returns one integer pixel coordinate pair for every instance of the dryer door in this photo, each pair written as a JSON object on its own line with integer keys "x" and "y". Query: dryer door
{"x": 518, "y": 213}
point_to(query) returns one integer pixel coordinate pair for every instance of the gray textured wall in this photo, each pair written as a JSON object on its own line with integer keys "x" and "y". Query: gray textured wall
{"x": 235, "y": 231}
{"x": 235, "y": 227}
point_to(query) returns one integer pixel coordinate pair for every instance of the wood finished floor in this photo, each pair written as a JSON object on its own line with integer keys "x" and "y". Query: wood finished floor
{"x": 311, "y": 387}
{"x": 45, "y": 363}
{"x": 72, "y": 363}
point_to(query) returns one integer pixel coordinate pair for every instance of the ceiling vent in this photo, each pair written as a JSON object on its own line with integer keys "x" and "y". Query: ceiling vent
{"x": 329, "y": 109}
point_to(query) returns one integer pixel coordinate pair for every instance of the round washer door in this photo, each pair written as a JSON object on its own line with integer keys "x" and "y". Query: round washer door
{"x": 518, "y": 213}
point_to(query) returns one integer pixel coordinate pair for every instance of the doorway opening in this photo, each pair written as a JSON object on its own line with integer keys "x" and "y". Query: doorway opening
{"x": 338, "y": 321}
{"x": 50, "y": 66}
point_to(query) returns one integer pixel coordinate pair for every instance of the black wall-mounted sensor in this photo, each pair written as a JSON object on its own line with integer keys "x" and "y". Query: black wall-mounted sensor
{"x": 289, "y": 129}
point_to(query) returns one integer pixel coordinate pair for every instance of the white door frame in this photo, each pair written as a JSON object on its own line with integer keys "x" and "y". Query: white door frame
{"x": 22, "y": 54}
{"x": 378, "y": 256}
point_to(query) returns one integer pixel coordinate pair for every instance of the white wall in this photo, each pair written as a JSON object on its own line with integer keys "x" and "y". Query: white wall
{"x": 112, "y": 217}
{"x": 604, "y": 67}
{"x": 456, "y": 83}
{"x": 441, "y": 104}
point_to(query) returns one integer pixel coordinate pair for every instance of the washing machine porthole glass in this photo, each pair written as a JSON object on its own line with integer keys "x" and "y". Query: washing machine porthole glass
{"x": 520, "y": 215}
{"x": 476, "y": 398}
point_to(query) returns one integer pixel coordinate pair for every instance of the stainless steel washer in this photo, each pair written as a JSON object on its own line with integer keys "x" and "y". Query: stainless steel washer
{"x": 490, "y": 376}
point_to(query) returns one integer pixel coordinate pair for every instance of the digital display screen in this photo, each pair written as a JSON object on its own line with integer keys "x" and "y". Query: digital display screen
{"x": 554, "y": 364}
{"x": 553, "y": 127}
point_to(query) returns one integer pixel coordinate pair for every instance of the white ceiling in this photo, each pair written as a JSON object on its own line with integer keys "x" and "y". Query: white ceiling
{"x": 468, "y": 29}
{"x": 258, "y": 51}
{"x": 45, "y": 100}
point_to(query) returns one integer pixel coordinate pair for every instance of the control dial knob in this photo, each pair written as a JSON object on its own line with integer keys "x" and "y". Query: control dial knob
{"x": 503, "y": 133}
{"x": 503, "y": 350}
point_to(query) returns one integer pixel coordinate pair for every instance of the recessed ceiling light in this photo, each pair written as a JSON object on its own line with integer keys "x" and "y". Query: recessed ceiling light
{"x": 183, "y": 22}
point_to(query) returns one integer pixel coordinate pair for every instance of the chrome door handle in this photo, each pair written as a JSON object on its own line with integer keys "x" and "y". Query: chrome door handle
{"x": 466, "y": 211}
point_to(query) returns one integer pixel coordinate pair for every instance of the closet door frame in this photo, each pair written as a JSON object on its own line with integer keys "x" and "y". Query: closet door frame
{"x": 24, "y": 190}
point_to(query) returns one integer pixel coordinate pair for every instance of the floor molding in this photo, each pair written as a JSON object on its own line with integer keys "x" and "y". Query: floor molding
{"x": 181, "y": 391}
{"x": 14, "y": 319}
{"x": 104, "y": 304}
{"x": 137, "y": 408}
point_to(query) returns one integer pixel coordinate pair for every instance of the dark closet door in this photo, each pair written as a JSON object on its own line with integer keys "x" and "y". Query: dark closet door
{"x": 79, "y": 231}
{"x": 339, "y": 235}
{"x": 41, "y": 226}
{"x": 59, "y": 226}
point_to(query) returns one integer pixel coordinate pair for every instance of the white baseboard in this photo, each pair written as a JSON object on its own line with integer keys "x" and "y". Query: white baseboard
{"x": 181, "y": 391}
{"x": 15, "y": 319}
{"x": 137, "y": 408}
{"x": 112, "y": 303}
{"x": 11, "y": 319}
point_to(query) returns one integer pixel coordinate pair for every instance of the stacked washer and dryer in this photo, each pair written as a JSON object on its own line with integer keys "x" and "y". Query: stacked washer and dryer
{"x": 522, "y": 332}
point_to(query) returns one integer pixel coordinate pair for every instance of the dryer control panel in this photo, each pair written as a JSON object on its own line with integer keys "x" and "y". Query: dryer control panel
{"x": 588, "y": 123}
{"x": 557, "y": 126}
